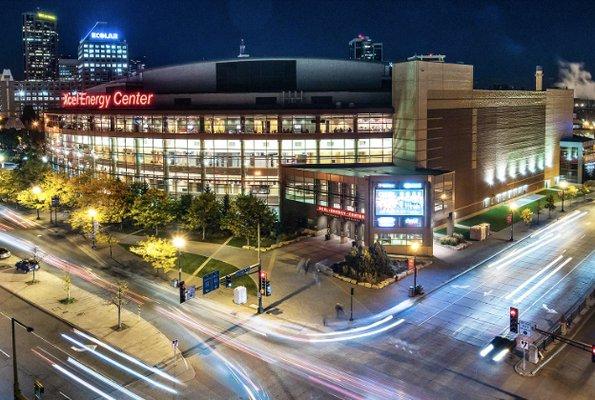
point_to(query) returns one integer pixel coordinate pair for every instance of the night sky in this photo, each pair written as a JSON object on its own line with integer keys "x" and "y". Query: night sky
{"x": 504, "y": 40}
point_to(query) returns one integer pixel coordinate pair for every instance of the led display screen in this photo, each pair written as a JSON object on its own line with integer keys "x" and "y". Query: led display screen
{"x": 396, "y": 202}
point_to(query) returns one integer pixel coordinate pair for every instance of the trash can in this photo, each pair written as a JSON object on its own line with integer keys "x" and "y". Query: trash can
{"x": 411, "y": 291}
{"x": 240, "y": 295}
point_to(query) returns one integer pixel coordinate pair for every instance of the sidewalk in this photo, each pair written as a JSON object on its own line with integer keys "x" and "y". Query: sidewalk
{"x": 90, "y": 312}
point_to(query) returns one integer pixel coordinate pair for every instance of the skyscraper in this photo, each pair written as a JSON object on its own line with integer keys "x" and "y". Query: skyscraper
{"x": 102, "y": 55}
{"x": 40, "y": 45}
{"x": 68, "y": 69}
{"x": 364, "y": 49}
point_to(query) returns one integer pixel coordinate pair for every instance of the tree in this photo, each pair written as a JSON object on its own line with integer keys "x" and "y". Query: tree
{"x": 527, "y": 215}
{"x": 30, "y": 173}
{"x": 119, "y": 300}
{"x": 584, "y": 190}
{"x": 152, "y": 210}
{"x": 60, "y": 185}
{"x": 550, "y": 204}
{"x": 67, "y": 285}
{"x": 538, "y": 209}
{"x": 160, "y": 253}
{"x": 8, "y": 185}
{"x": 226, "y": 204}
{"x": 29, "y": 199}
{"x": 104, "y": 193}
{"x": 572, "y": 192}
{"x": 204, "y": 213}
{"x": 182, "y": 205}
{"x": 246, "y": 212}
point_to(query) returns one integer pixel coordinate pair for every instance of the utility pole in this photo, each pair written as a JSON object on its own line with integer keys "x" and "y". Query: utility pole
{"x": 351, "y": 306}
{"x": 260, "y": 308}
{"x": 16, "y": 389}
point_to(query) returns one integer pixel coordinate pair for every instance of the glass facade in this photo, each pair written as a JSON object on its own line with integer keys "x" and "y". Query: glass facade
{"x": 231, "y": 154}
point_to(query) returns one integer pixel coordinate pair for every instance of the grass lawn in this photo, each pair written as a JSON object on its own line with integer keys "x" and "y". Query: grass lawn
{"x": 190, "y": 262}
{"x": 496, "y": 216}
{"x": 547, "y": 192}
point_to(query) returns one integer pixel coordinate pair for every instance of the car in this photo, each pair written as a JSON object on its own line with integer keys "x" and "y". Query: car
{"x": 4, "y": 253}
{"x": 27, "y": 265}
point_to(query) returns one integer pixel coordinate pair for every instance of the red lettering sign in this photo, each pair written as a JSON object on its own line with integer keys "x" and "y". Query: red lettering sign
{"x": 337, "y": 212}
{"x": 104, "y": 101}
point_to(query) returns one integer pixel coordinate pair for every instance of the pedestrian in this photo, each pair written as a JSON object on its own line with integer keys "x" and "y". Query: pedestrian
{"x": 306, "y": 266}
{"x": 339, "y": 310}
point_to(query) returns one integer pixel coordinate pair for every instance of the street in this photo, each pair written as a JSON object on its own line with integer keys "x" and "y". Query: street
{"x": 413, "y": 349}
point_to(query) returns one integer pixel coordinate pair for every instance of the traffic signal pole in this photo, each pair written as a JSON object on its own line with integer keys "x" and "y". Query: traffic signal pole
{"x": 260, "y": 308}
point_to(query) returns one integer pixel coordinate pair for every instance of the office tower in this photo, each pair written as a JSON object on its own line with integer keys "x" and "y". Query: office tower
{"x": 365, "y": 49}
{"x": 40, "y": 43}
{"x": 102, "y": 55}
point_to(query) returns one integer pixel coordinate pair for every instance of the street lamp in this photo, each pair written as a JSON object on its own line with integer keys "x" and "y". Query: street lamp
{"x": 513, "y": 207}
{"x": 443, "y": 198}
{"x": 16, "y": 388}
{"x": 179, "y": 242}
{"x": 92, "y": 213}
{"x": 563, "y": 186}
{"x": 414, "y": 248}
{"x": 36, "y": 190}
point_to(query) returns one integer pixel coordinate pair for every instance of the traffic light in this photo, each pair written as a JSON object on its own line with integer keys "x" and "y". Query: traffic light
{"x": 263, "y": 282}
{"x": 514, "y": 320}
{"x": 228, "y": 281}
{"x": 38, "y": 389}
{"x": 182, "y": 286}
{"x": 267, "y": 287}
{"x": 593, "y": 353}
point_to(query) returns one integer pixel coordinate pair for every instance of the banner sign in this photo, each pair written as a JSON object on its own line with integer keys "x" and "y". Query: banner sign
{"x": 337, "y": 212}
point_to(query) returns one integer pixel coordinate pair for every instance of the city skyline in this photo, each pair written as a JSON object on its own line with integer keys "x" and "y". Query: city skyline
{"x": 323, "y": 29}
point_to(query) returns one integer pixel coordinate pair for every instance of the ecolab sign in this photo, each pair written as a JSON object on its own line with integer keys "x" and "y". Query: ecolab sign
{"x": 104, "y": 35}
{"x": 104, "y": 101}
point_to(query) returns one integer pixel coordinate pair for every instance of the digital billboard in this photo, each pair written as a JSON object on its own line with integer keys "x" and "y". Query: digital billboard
{"x": 399, "y": 202}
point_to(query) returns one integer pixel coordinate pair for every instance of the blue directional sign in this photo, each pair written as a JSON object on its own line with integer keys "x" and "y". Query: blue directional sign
{"x": 210, "y": 282}
{"x": 191, "y": 292}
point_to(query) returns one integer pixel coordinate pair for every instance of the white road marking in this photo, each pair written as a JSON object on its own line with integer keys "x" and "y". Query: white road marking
{"x": 531, "y": 279}
{"x": 5, "y": 353}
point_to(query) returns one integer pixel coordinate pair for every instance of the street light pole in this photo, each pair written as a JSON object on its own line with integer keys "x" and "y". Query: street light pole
{"x": 513, "y": 207}
{"x": 351, "y": 306}
{"x": 16, "y": 389}
{"x": 179, "y": 242}
{"x": 563, "y": 185}
{"x": 260, "y": 308}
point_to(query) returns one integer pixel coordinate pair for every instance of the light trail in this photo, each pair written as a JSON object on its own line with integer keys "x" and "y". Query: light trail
{"x": 83, "y": 382}
{"x": 498, "y": 357}
{"x": 104, "y": 379}
{"x": 531, "y": 279}
{"x": 486, "y": 350}
{"x": 545, "y": 278}
{"x": 128, "y": 357}
{"x": 555, "y": 225}
{"x": 69, "y": 374}
{"x": 121, "y": 366}
{"x": 297, "y": 365}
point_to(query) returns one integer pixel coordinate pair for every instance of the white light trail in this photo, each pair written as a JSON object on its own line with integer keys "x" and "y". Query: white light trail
{"x": 103, "y": 379}
{"x": 358, "y": 329}
{"x": 500, "y": 355}
{"x": 523, "y": 252}
{"x": 83, "y": 382}
{"x": 486, "y": 350}
{"x": 541, "y": 282}
{"x": 127, "y": 357}
{"x": 576, "y": 214}
{"x": 122, "y": 367}
{"x": 528, "y": 281}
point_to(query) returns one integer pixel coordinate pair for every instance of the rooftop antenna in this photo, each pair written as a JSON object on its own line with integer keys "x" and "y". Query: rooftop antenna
{"x": 243, "y": 50}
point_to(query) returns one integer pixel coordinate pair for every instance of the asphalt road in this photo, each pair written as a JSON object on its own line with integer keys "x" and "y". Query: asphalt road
{"x": 425, "y": 349}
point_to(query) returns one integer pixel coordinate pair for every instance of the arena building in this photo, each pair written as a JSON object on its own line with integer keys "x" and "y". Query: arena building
{"x": 364, "y": 150}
